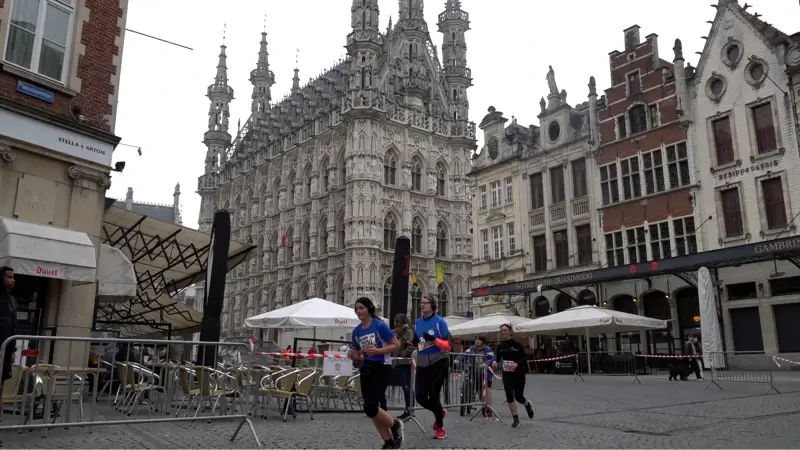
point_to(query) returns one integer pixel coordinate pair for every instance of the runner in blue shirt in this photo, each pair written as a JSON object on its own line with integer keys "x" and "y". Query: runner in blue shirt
{"x": 374, "y": 342}
{"x": 433, "y": 362}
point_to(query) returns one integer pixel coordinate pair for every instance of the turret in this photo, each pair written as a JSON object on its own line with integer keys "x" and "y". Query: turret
{"x": 262, "y": 79}
{"x": 681, "y": 92}
{"x": 176, "y": 205}
{"x": 364, "y": 44}
{"x": 453, "y": 23}
{"x": 593, "y": 130}
{"x": 296, "y": 81}
{"x": 220, "y": 94}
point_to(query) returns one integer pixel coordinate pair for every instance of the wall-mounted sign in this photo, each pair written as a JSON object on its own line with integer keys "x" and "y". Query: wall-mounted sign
{"x": 43, "y": 134}
{"x": 35, "y": 91}
{"x": 753, "y": 168}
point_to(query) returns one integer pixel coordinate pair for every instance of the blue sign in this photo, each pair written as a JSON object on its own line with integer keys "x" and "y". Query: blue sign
{"x": 35, "y": 91}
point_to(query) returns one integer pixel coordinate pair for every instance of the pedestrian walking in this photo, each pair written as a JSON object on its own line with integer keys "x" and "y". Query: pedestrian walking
{"x": 374, "y": 341}
{"x": 405, "y": 336}
{"x": 433, "y": 364}
{"x": 510, "y": 357}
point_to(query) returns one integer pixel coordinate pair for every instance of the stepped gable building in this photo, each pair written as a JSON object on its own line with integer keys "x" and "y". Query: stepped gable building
{"x": 533, "y": 209}
{"x": 745, "y": 91}
{"x": 326, "y": 179}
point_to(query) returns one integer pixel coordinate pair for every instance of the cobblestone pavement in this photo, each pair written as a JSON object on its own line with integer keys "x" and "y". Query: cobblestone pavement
{"x": 602, "y": 412}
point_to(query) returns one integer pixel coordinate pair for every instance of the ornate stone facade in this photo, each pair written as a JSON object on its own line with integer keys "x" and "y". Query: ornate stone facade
{"x": 325, "y": 180}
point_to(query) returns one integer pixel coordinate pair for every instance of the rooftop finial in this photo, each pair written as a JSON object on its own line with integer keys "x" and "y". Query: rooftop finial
{"x": 224, "y": 32}
{"x": 297, "y": 58}
{"x": 265, "y": 23}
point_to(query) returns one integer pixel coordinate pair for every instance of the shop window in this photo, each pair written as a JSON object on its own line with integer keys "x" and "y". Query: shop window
{"x": 787, "y": 332}
{"x": 746, "y": 329}
{"x": 741, "y": 291}
{"x": 784, "y": 286}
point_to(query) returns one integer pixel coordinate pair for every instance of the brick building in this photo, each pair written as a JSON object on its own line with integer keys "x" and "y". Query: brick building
{"x": 647, "y": 186}
{"x": 59, "y": 80}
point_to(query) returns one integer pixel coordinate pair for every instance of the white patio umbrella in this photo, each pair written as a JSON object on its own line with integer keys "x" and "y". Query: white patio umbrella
{"x": 454, "y": 320}
{"x": 486, "y": 324}
{"x": 311, "y": 313}
{"x": 590, "y": 320}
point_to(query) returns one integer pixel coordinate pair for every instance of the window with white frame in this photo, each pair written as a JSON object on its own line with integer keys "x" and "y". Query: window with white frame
{"x": 637, "y": 245}
{"x": 509, "y": 190}
{"x": 483, "y": 196}
{"x": 485, "y": 243}
{"x": 497, "y": 238}
{"x": 615, "y": 249}
{"x": 678, "y": 165}
{"x": 685, "y": 239}
{"x": 660, "y": 240}
{"x": 512, "y": 238}
{"x": 631, "y": 180}
{"x": 39, "y": 36}
{"x": 497, "y": 194}
{"x": 609, "y": 183}
{"x": 653, "y": 165}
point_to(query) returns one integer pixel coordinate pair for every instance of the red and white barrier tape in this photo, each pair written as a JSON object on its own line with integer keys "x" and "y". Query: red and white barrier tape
{"x": 669, "y": 356}
{"x": 557, "y": 358}
{"x": 775, "y": 359}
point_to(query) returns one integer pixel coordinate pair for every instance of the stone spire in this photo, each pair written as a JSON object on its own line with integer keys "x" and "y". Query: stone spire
{"x": 453, "y": 24}
{"x": 364, "y": 15}
{"x": 296, "y": 81}
{"x": 262, "y": 79}
{"x": 220, "y": 95}
{"x": 176, "y": 205}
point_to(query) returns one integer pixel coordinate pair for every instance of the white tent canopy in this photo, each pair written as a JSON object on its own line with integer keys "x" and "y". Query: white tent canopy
{"x": 487, "y": 324}
{"x": 311, "y": 313}
{"x": 590, "y": 320}
{"x": 454, "y": 320}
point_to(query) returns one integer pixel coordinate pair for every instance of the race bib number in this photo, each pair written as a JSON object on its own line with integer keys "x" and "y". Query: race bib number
{"x": 424, "y": 344}
{"x": 367, "y": 340}
{"x": 508, "y": 366}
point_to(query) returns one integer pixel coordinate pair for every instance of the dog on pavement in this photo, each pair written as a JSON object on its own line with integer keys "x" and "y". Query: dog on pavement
{"x": 678, "y": 369}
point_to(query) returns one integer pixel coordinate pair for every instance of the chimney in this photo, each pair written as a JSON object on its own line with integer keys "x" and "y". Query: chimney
{"x": 632, "y": 38}
{"x": 129, "y": 199}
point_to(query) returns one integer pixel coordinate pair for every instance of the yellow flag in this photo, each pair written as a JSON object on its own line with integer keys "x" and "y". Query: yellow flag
{"x": 413, "y": 278}
{"x": 439, "y": 273}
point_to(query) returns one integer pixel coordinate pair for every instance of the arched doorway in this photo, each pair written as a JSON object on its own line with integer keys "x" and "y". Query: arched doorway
{"x": 587, "y": 297}
{"x": 688, "y": 304}
{"x": 655, "y": 304}
{"x": 541, "y": 307}
{"x": 626, "y": 342}
{"x": 563, "y": 302}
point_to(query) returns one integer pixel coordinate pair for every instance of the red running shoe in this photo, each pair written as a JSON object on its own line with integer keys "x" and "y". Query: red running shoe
{"x": 440, "y": 434}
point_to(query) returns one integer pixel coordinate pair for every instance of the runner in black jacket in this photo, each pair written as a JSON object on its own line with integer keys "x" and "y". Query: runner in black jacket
{"x": 510, "y": 358}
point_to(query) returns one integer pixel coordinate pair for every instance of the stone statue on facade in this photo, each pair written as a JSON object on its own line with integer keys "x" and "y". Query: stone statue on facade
{"x": 431, "y": 181}
{"x": 252, "y": 266}
{"x": 331, "y": 239}
{"x": 543, "y": 104}
{"x": 431, "y": 242}
{"x": 551, "y": 81}
{"x": 265, "y": 259}
{"x": 237, "y": 299}
{"x": 407, "y": 175}
{"x": 254, "y": 211}
{"x": 242, "y": 217}
{"x": 331, "y": 179}
{"x": 282, "y": 199}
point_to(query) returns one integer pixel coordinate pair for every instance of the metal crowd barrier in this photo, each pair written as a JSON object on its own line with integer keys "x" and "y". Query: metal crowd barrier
{"x": 741, "y": 367}
{"x": 138, "y": 375}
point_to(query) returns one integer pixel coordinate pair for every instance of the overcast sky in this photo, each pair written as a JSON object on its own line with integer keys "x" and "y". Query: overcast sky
{"x": 162, "y": 103}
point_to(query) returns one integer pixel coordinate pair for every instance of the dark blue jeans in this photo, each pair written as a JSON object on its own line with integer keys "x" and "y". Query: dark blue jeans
{"x": 404, "y": 374}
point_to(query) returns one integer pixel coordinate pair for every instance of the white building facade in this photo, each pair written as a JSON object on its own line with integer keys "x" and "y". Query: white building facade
{"x": 325, "y": 180}
{"x": 747, "y": 158}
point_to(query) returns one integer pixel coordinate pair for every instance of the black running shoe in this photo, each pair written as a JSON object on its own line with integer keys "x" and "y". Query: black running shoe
{"x": 405, "y": 416}
{"x": 398, "y": 435}
{"x": 388, "y": 444}
{"x": 529, "y": 409}
{"x": 515, "y": 424}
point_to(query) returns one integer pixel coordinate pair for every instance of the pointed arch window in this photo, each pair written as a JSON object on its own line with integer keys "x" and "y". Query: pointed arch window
{"x": 441, "y": 240}
{"x": 323, "y": 236}
{"x": 442, "y": 299}
{"x": 389, "y": 232}
{"x": 306, "y": 243}
{"x": 307, "y": 183}
{"x": 276, "y": 195}
{"x": 340, "y": 231}
{"x": 390, "y": 169}
{"x": 324, "y": 179}
{"x": 342, "y": 170}
{"x": 416, "y": 175}
{"x": 441, "y": 177}
{"x": 416, "y": 236}
{"x": 289, "y": 252}
{"x": 387, "y": 295}
{"x": 291, "y": 190}
{"x": 416, "y": 297}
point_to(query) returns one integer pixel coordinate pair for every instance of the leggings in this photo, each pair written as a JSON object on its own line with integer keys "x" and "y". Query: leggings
{"x": 514, "y": 385}
{"x": 428, "y": 386}
{"x": 374, "y": 377}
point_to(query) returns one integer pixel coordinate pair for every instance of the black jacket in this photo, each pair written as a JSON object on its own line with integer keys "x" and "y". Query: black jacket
{"x": 511, "y": 350}
{"x": 8, "y": 316}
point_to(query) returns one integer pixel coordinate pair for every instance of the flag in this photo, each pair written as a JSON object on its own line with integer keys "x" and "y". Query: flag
{"x": 252, "y": 341}
{"x": 283, "y": 240}
{"x": 439, "y": 273}
{"x": 413, "y": 278}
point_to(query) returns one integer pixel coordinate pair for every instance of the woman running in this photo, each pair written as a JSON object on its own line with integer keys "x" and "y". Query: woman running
{"x": 433, "y": 362}
{"x": 510, "y": 356}
{"x": 374, "y": 341}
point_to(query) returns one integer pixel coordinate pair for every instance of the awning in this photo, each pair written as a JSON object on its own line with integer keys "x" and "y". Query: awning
{"x": 166, "y": 258}
{"x": 116, "y": 279}
{"x": 47, "y": 251}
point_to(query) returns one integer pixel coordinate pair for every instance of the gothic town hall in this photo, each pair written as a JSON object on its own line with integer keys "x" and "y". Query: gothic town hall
{"x": 324, "y": 181}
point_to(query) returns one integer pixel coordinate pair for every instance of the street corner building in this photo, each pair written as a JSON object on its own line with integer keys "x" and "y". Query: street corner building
{"x": 688, "y": 167}
{"x": 325, "y": 180}
{"x": 59, "y": 81}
